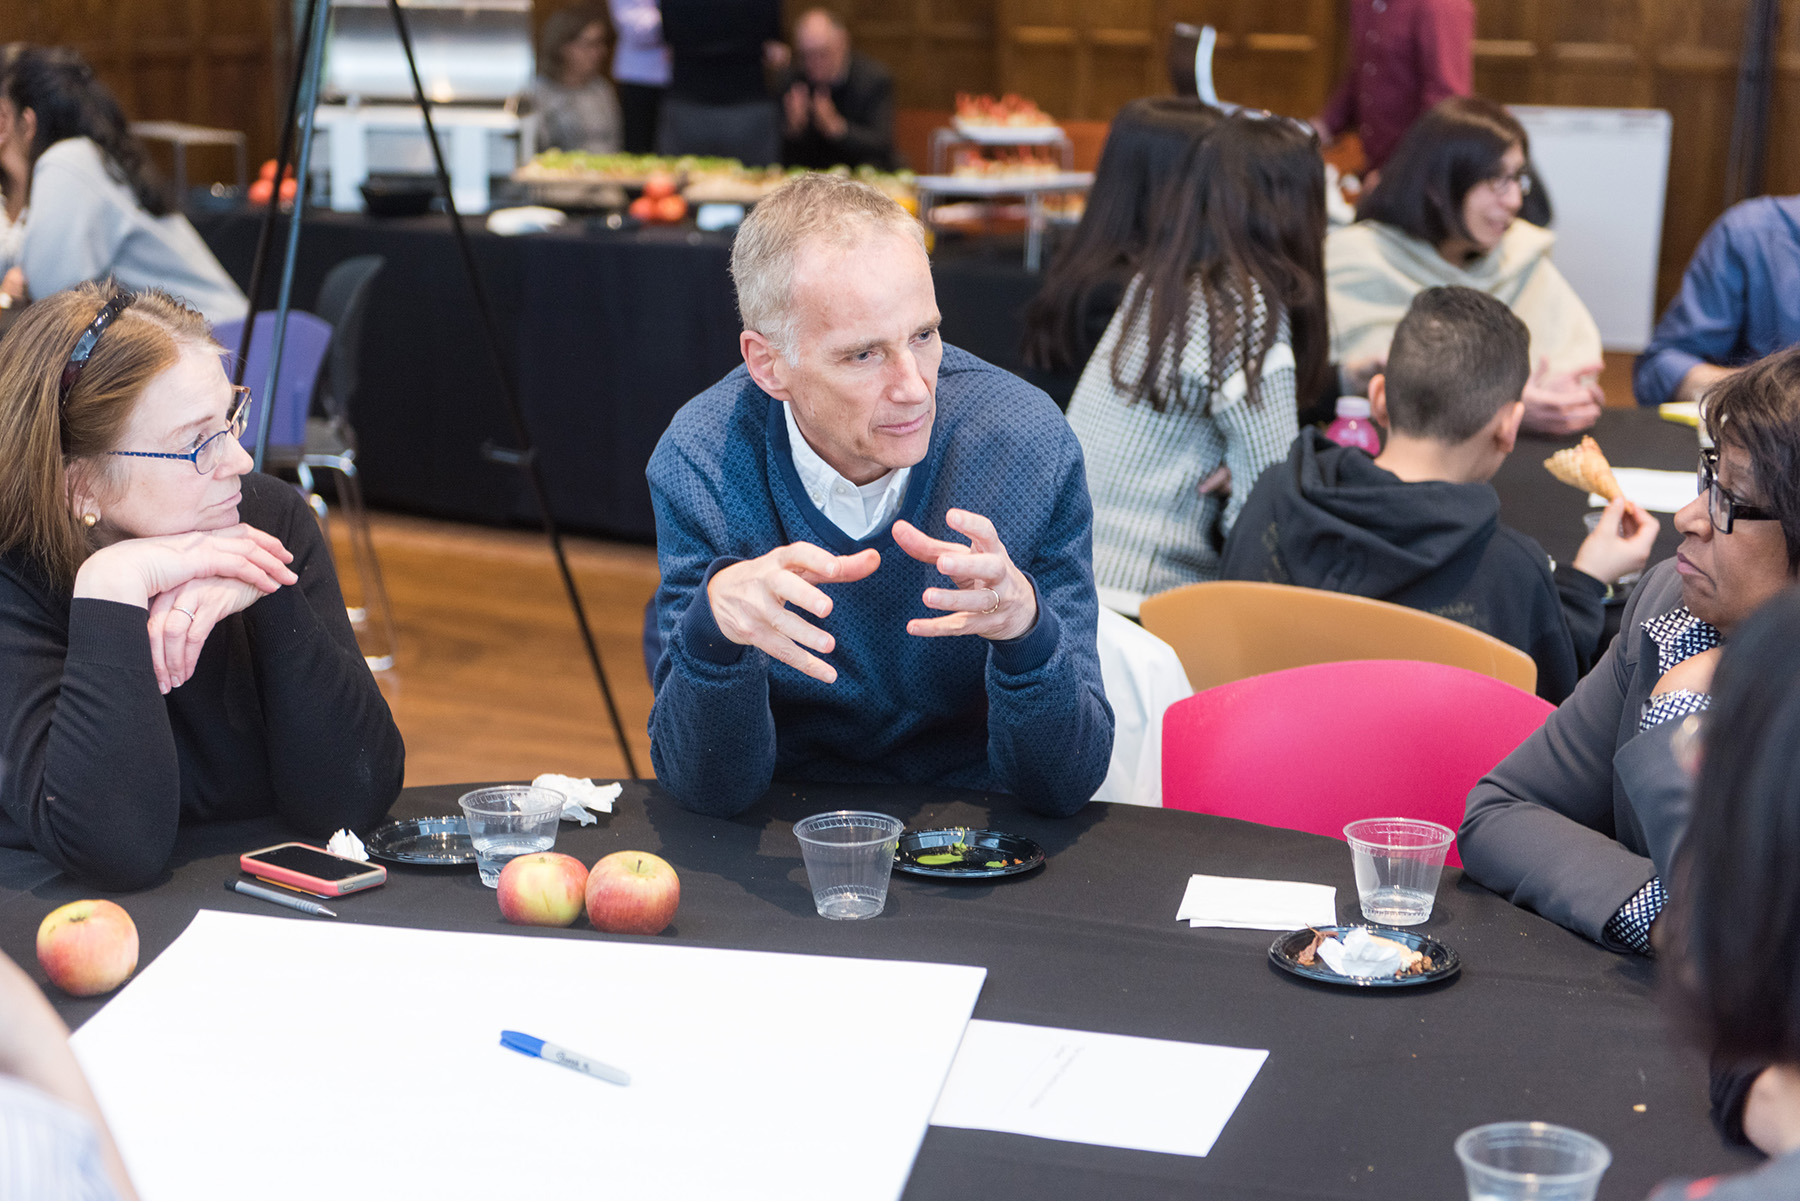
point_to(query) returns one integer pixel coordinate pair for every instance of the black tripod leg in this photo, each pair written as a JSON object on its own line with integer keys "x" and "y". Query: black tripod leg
{"x": 528, "y": 461}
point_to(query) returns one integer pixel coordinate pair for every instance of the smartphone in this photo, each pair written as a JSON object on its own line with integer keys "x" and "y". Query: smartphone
{"x": 310, "y": 869}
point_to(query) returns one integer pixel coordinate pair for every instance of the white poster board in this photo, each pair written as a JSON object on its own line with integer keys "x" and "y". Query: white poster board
{"x": 1607, "y": 170}
{"x": 285, "y": 1058}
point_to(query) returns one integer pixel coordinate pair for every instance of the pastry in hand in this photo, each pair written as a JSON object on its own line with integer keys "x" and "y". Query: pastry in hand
{"x": 1585, "y": 467}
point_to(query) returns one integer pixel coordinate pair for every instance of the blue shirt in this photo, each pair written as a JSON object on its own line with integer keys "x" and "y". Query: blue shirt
{"x": 1026, "y": 716}
{"x": 1739, "y": 301}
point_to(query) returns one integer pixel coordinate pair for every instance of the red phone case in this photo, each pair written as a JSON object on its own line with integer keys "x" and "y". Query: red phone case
{"x": 376, "y": 874}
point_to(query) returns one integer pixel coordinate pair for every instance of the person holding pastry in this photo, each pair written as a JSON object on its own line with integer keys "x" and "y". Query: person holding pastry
{"x": 1581, "y": 822}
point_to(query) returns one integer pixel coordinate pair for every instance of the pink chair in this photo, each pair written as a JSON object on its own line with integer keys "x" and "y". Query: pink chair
{"x": 1314, "y": 748}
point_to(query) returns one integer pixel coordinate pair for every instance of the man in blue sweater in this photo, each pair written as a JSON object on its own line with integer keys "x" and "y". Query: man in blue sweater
{"x": 875, "y": 549}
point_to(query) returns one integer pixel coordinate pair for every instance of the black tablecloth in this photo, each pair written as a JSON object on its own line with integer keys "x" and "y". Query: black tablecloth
{"x": 1362, "y": 1093}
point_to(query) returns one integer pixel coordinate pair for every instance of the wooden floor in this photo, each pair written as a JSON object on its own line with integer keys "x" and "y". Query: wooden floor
{"x": 490, "y": 680}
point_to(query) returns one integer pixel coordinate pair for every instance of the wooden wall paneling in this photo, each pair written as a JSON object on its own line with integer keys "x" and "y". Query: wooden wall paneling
{"x": 935, "y": 48}
{"x": 1080, "y": 59}
{"x": 1784, "y": 110}
{"x": 208, "y": 62}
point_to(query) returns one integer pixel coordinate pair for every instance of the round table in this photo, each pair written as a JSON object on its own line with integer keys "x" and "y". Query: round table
{"x": 1362, "y": 1093}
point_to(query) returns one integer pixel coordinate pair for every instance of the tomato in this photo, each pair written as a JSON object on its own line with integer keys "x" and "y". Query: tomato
{"x": 671, "y": 208}
{"x": 643, "y": 208}
{"x": 659, "y": 184}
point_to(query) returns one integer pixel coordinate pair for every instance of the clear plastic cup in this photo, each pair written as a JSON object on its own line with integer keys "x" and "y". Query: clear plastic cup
{"x": 1531, "y": 1161}
{"x": 509, "y": 821}
{"x": 1398, "y": 861}
{"x": 849, "y": 856}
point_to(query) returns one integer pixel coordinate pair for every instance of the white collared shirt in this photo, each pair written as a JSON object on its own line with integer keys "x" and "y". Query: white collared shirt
{"x": 857, "y": 510}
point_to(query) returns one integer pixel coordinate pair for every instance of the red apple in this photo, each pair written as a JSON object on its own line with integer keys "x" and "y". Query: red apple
{"x": 632, "y": 892}
{"x": 88, "y": 947}
{"x": 544, "y": 889}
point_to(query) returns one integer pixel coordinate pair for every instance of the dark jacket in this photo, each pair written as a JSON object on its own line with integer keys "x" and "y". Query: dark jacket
{"x": 1591, "y": 806}
{"x": 1330, "y": 518}
{"x": 865, "y": 99}
{"x": 716, "y": 48}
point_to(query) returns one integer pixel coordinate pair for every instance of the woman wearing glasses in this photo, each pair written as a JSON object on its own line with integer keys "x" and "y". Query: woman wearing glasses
{"x": 173, "y": 645}
{"x": 1579, "y": 823}
{"x": 1446, "y": 211}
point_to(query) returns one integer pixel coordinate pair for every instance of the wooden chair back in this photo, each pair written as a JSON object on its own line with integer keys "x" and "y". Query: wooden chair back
{"x": 1227, "y": 630}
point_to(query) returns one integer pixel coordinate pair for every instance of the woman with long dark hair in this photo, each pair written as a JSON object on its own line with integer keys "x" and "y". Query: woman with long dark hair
{"x": 1732, "y": 926}
{"x": 1144, "y": 148}
{"x": 95, "y": 207}
{"x": 1446, "y": 212}
{"x": 1192, "y": 391}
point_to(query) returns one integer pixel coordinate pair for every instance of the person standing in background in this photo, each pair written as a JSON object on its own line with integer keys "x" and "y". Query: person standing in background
{"x": 1405, "y": 56}
{"x": 838, "y": 106}
{"x": 576, "y": 107}
{"x": 640, "y": 70}
{"x": 718, "y": 101}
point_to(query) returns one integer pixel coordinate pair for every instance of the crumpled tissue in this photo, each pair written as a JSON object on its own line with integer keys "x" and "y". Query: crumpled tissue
{"x": 348, "y": 845}
{"x": 1361, "y": 953}
{"x": 579, "y": 796}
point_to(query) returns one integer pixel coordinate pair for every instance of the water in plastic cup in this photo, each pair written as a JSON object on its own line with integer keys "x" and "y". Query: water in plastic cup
{"x": 1397, "y": 861}
{"x": 509, "y": 821}
{"x": 849, "y": 856}
{"x": 1531, "y": 1161}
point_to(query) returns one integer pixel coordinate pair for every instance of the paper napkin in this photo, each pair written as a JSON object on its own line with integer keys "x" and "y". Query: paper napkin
{"x": 579, "y": 796}
{"x": 1233, "y": 903}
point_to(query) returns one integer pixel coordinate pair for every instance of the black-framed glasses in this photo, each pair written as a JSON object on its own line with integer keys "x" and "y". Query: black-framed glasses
{"x": 90, "y": 338}
{"x": 205, "y": 457}
{"x": 1501, "y": 182}
{"x": 1723, "y": 509}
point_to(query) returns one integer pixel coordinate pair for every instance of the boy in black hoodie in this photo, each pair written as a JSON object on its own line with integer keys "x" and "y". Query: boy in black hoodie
{"x": 1419, "y": 525}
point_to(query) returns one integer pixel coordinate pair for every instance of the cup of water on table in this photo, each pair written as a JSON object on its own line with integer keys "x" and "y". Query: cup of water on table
{"x": 1398, "y": 861}
{"x": 509, "y": 821}
{"x": 849, "y": 856}
{"x": 1531, "y": 1161}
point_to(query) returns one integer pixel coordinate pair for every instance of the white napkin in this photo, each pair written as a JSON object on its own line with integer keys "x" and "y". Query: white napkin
{"x": 348, "y": 845}
{"x": 527, "y": 219}
{"x": 579, "y": 796}
{"x": 1361, "y": 954}
{"x": 1232, "y": 903}
{"x": 1658, "y": 491}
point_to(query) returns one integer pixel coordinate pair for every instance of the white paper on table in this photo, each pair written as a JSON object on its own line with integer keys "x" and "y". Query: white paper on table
{"x": 1111, "y": 1090}
{"x": 1231, "y": 903}
{"x": 323, "y": 1059}
{"x": 1658, "y": 491}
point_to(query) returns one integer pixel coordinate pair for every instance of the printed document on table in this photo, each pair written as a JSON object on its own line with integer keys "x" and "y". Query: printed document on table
{"x": 1110, "y": 1090}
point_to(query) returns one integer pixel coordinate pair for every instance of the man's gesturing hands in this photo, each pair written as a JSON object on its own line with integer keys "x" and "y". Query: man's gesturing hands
{"x": 992, "y": 598}
{"x": 750, "y": 599}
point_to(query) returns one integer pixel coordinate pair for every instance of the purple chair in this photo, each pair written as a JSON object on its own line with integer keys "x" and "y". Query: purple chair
{"x": 308, "y": 341}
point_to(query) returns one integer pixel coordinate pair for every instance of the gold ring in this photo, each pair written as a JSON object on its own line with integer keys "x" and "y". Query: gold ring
{"x": 996, "y": 605}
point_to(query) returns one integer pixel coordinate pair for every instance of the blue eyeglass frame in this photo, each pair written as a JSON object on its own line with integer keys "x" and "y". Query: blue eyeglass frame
{"x": 236, "y": 421}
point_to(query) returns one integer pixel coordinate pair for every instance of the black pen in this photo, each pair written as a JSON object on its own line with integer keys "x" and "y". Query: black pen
{"x": 275, "y": 898}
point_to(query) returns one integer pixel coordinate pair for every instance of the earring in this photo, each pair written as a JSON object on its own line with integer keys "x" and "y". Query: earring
{"x": 90, "y": 520}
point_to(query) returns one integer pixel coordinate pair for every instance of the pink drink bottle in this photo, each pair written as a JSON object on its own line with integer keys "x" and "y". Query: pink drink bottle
{"x": 1353, "y": 427}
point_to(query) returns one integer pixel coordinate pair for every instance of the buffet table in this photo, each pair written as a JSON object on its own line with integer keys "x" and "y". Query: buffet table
{"x": 607, "y": 333}
{"x": 1362, "y": 1093}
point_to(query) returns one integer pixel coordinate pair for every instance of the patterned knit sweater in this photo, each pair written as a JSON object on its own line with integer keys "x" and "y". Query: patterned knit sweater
{"x": 1026, "y": 716}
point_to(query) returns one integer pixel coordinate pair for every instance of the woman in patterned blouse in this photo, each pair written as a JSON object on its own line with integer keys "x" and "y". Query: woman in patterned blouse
{"x": 1191, "y": 392}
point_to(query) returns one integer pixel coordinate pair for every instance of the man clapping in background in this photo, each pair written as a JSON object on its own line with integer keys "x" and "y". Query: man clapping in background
{"x": 838, "y": 106}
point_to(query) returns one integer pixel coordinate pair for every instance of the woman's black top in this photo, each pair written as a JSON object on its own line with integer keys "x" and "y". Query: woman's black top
{"x": 281, "y": 716}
